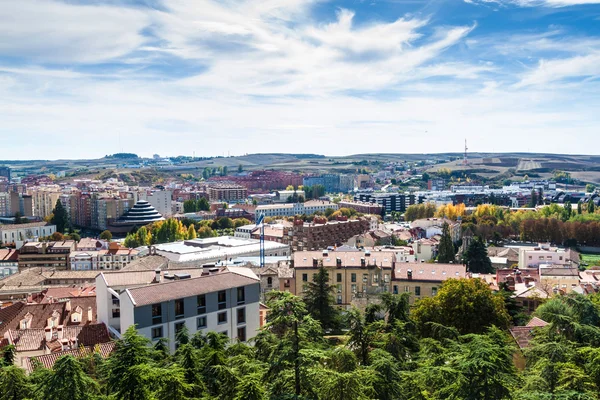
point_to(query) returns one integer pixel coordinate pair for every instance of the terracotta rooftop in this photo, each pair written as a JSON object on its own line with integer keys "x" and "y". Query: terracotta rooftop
{"x": 48, "y": 360}
{"x": 9, "y": 255}
{"x": 523, "y": 334}
{"x": 429, "y": 272}
{"x": 24, "y": 226}
{"x": 351, "y": 259}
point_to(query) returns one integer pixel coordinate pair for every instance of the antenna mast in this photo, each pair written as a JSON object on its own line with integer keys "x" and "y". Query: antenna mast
{"x": 465, "y": 162}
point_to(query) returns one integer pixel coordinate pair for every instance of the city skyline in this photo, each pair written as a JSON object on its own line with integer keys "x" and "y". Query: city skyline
{"x": 82, "y": 79}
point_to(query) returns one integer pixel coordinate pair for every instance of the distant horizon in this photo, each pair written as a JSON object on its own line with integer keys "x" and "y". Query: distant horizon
{"x": 477, "y": 154}
{"x": 308, "y": 76}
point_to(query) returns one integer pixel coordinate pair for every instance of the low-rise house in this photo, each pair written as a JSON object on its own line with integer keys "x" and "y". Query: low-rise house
{"x": 160, "y": 303}
{"x": 559, "y": 279}
{"x": 425, "y": 249}
{"x": 544, "y": 254}
{"x": 424, "y": 279}
{"x": 433, "y": 226}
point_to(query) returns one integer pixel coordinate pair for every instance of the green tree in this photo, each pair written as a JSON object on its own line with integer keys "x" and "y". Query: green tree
{"x": 191, "y": 232}
{"x": 68, "y": 381}
{"x": 106, "y": 235}
{"x": 61, "y": 217}
{"x": 14, "y": 384}
{"x": 127, "y": 378}
{"x": 533, "y": 201}
{"x": 589, "y": 188}
{"x": 172, "y": 384}
{"x": 476, "y": 257}
{"x": 467, "y": 305}
{"x": 579, "y": 207}
{"x": 591, "y": 207}
{"x": 446, "y": 247}
{"x": 240, "y": 168}
{"x": 319, "y": 299}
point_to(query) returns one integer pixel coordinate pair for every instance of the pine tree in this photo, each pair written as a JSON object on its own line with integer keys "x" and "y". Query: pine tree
{"x": 14, "y": 384}
{"x": 476, "y": 258}
{"x": 318, "y": 296}
{"x": 191, "y": 232}
{"x": 591, "y": 207}
{"x": 69, "y": 381}
{"x": 446, "y": 247}
{"x": 579, "y": 207}
{"x": 60, "y": 217}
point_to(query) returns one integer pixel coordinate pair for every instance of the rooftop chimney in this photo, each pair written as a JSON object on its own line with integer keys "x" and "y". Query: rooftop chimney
{"x": 90, "y": 315}
{"x": 68, "y": 305}
{"x": 157, "y": 276}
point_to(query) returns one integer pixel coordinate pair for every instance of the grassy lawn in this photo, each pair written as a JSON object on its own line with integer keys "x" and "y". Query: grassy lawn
{"x": 591, "y": 259}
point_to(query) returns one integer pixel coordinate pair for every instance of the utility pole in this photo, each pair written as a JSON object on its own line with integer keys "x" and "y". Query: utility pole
{"x": 465, "y": 161}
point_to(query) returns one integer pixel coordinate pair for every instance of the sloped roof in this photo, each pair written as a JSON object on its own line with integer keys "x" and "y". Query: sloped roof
{"x": 48, "y": 360}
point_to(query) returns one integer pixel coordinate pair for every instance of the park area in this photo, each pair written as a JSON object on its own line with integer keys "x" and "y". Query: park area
{"x": 590, "y": 259}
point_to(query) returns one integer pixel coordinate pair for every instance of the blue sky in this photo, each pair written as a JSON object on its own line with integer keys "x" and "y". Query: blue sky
{"x": 82, "y": 78}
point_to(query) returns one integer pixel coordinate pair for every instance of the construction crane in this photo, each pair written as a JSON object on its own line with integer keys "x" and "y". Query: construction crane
{"x": 261, "y": 225}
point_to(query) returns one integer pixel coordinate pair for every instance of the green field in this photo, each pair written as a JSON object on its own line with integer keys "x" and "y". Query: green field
{"x": 590, "y": 259}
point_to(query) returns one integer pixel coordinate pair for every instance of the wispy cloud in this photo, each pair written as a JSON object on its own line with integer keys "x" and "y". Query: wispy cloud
{"x": 535, "y": 3}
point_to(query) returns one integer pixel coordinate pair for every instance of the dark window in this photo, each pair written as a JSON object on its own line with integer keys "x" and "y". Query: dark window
{"x": 157, "y": 332}
{"x": 179, "y": 326}
{"x": 179, "y": 308}
{"x": 157, "y": 313}
{"x": 241, "y": 315}
{"x": 222, "y": 317}
{"x": 241, "y": 334}
{"x": 304, "y": 277}
{"x": 115, "y": 301}
{"x": 269, "y": 281}
{"x": 241, "y": 295}
{"x": 201, "y": 322}
{"x": 202, "y": 304}
{"x": 225, "y": 333}
{"x": 339, "y": 277}
{"x": 116, "y": 313}
{"x": 353, "y": 277}
{"x": 417, "y": 290}
{"x": 222, "y": 297}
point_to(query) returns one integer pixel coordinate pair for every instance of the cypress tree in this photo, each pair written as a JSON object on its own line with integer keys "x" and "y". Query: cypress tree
{"x": 476, "y": 257}
{"x": 60, "y": 217}
{"x": 446, "y": 248}
{"x": 318, "y": 296}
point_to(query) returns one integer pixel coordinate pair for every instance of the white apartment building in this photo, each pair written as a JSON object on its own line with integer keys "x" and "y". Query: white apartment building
{"x": 544, "y": 254}
{"x": 160, "y": 200}
{"x": 22, "y": 232}
{"x": 289, "y": 210}
{"x": 160, "y": 303}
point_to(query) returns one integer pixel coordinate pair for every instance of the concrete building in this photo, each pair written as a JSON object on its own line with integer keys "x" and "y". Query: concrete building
{"x": 362, "y": 207}
{"x": 546, "y": 254}
{"x": 5, "y": 173}
{"x": 196, "y": 252}
{"x": 22, "y": 232}
{"x": 355, "y": 274}
{"x": 227, "y": 192}
{"x": 160, "y": 303}
{"x": 321, "y": 233}
{"x": 282, "y": 196}
{"x": 46, "y": 254}
{"x": 160, "y": 200}
{"x": 9, "y": 262}
{"x": 433, "y": 226}
{"x": 424, "y": 279}
{"x": 115, "y": 257}
{"x": 44, "y": 199}
{"x": 425, "y": 249}
{"x": 558, "y": 280}
{"x": 398, "y": 202}
{"x": 290, "y": 210}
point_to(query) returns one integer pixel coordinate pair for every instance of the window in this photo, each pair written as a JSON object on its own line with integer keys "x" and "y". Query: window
{"x": 354, "y": 288}
{"x": 417, "y": 290}
{"x": 222, "y": 297}
{"x": 530, "y": 257}
{"x": 201, "y": 304}
{"x": 339, "y": 299}
{"x": 433, "y": 291}
{"x": 395, "y": 289}
{"x": 116, "y": 313}
{"x": 304, "y": 277}
{"x": 115, "y": 301}
{"x": 339, "y": 288}
{"x": 156, "y": 313}
{"x": 241, "y": 295}
{"x": 222, "y": 317}
{"x": 179, "y": 308}
{"x": 406, "y": 289}
{"x": 375, "y": 278}
{"x": 200, "y": 322}
{"x": 269, "y": 282}
{"x": 179, "y": 326}
{"x": 241, "y": 315}
{"x": 338, "y": 277}
{"x": 353, "y": 278}
{"x": 157, "y": 332}
{"x": 241, "y": 334}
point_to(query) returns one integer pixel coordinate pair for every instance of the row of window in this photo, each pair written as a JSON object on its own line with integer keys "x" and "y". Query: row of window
{"x": 201, "y": 305}
{"x": 157, "y": 332}
{"x": 339, "y": 277}
{"x": 417, "y": 290}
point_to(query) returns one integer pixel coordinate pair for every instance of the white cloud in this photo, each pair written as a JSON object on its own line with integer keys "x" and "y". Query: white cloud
{"x": 535, "y": 3}
{"x": 52, "y": 31}
{"x": 559, "y": 69}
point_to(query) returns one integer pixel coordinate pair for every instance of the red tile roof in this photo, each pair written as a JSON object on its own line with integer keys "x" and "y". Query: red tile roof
{"x": 48, "y": 360}
{"x": 429, "y": 272}
{"x": 9, "y": 255}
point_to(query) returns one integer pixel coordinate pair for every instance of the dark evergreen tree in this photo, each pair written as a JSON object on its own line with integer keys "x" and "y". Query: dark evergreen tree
{"x": 68, "y": 381}
{"x": 476, "y": 257}
{"x": 60, "y": 217}
{"x": 591, "y": 207}
{"x": 14, "y": 384}
{"x": 319, "y": 299}
{"x": 534, "y": 199}
{"x": 446, "y": 247}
